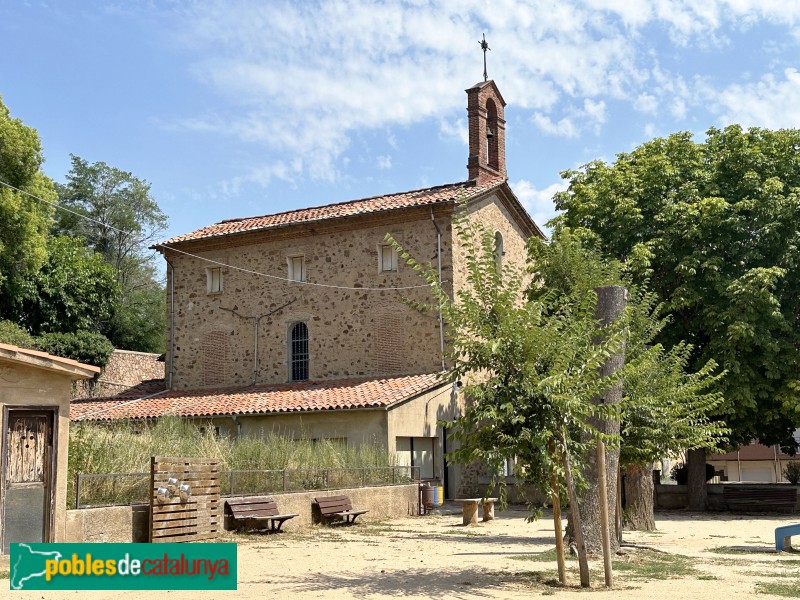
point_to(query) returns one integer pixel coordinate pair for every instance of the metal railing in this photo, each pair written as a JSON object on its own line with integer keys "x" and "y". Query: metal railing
{"x": 120, "y": 489}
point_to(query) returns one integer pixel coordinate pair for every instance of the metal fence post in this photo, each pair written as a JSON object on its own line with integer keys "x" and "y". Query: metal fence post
{"x": 230, "y": 483}
{"x": 284, "y": 479}
{"x": 77, "y": 490}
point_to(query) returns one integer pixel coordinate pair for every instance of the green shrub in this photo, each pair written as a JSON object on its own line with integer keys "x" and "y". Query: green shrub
{"x": 84, "y": 346}
{"x": 680, "y": 473}
{"x": 11, "y": 333}
{"x": 792, "y": 472}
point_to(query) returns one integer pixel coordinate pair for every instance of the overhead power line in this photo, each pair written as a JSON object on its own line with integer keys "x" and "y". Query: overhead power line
{"x": 216, "y": 262}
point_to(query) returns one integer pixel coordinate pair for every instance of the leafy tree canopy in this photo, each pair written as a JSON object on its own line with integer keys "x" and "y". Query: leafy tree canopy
{"x": 713, "y": 226}
{"x": 24, "y": 221}
{"x": 74, "y": 290}
{"x": 114, "y": 211}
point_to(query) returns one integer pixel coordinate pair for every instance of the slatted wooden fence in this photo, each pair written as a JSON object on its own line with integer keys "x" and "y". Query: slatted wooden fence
{"x": 194, "y": 519}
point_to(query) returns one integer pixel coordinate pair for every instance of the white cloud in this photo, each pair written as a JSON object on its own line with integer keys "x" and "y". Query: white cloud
{"x": 538, "y": 203}
{"x": 301, "y": 78}
{"x": 456, "y": 130}
{"x": 771, "y": 102}
{"x": 591, "y": 115}
{"x": 384, "y": 162}
{"x": 646, "y": 103}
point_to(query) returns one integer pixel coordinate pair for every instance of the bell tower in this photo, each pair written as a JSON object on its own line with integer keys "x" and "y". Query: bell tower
{"x": 487, "y": 132}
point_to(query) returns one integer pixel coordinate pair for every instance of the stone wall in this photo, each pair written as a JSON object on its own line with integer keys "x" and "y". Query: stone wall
{"x": 125, "y": 369}
{"x": 352, "y": 332}
{"x": 131, "y": 523}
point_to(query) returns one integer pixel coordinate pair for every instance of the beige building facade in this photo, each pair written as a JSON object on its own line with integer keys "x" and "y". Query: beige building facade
{"x": 318, "y": 296}
{"x": 35, "y": 401}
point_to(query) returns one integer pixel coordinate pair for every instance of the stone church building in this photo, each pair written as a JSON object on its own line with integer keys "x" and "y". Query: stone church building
{"x": 298, "y": 322}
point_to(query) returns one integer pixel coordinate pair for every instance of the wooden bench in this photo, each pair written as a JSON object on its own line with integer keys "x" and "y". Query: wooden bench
{"x": 759, "y": 499}
{"x": 338, "y": 507}
{"x": 469, "y": 507}
{"x": 783, "y": 536}
{"x": 256, "y": 509}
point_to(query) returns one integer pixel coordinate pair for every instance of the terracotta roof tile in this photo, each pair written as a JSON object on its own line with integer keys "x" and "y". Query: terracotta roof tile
{"x": 424, "y": 197}
{"x": 146, "y": 402}
{"x": 57, "y": 359}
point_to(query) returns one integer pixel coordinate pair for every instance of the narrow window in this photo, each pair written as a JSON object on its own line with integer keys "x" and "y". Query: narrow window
{"x": 298, "y": 348}
{"x": 297, "y": 268}
{"x": 214, "y": 280}
{"x": 498, "y": 249}
{"x": 387, "y": 256}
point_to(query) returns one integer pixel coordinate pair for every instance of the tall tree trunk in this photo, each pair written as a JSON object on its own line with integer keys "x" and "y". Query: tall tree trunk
{"x": 611, "y": 301}
{"x": 639, "y": 498}
{"x": 697, "y": 479}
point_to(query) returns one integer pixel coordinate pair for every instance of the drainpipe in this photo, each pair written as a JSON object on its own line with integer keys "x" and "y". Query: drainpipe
{"x": 171, "y": 323}
{"x": 439, "y": 260}
{"x": 255, "y": 332}
{"x": 258, "y": 322}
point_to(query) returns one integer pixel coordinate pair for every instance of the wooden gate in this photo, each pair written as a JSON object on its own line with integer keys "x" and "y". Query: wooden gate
{"x": 184, "y": 499}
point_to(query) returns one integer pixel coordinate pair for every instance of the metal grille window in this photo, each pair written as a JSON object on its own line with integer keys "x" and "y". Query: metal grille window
{"x": 298, "y": 344}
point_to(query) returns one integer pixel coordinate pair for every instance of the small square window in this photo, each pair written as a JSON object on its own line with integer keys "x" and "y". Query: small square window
{"x": 387, "y": 258}
{"x": 214, "y": 280}
{"x": 297, "y": 268}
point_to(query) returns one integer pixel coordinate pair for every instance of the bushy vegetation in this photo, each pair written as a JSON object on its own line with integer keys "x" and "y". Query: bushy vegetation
{"x": 84, "y": 346}
{"x": 126, "y": 447}
{"x": 792, "y": 472}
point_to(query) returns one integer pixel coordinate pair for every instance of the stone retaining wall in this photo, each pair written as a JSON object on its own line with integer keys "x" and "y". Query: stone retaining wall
{"x": 131, "y": 523}
{"x": 125, "y": 369}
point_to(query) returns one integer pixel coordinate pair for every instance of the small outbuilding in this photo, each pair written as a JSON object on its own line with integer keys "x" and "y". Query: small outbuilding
{"x": 34, "y": 397}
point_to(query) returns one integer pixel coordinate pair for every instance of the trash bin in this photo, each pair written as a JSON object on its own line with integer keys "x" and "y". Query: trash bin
{"x": 428, "y": 496}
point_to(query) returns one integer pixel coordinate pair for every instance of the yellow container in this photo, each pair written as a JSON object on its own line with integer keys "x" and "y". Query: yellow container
{"x": 440, "y": 495}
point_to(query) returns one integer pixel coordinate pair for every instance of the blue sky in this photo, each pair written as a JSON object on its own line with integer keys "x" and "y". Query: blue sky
{"x": 241, "y": 108}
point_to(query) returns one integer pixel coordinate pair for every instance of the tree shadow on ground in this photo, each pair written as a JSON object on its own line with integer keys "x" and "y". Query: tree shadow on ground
{"x": 428, "y": 583}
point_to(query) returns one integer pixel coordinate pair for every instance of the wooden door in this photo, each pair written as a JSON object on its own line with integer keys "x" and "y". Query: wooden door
{"x": 27, "y": 477}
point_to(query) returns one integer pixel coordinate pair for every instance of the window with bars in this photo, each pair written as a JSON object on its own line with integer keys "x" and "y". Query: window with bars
{"x": 298, "y": 352}
{"x": 297, "y": 268}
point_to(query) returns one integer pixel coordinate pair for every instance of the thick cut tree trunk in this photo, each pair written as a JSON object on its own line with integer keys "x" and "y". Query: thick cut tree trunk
{"x": 697, "y": 479}
{"x": 611, "y": 301}
{"x": 639, "y": 498}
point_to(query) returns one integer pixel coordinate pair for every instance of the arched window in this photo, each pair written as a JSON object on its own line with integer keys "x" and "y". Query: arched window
{"x": 492, "y": 139}
{"x": 298, "y": 352}
{"x": 498, "y": 249}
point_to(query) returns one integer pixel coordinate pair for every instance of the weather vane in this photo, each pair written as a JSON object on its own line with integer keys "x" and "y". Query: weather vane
{"x": 484, "y": 46}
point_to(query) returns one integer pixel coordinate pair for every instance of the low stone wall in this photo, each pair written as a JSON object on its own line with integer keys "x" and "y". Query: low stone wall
{"x": 109, "y": 524}
{"x": 130, "y": 523}
{"x": 677, "y": 496}
{"x": 125, "y": 369}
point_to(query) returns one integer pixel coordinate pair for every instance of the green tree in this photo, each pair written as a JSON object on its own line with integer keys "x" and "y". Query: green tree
{"x": 24, "y": 221}
{"x": 713, "y": 225}
{"x": 74, "y": 290}
{"x": 115, "y": 212}
{"x": 531, "y": 370}
{"x": 666, "y": 407}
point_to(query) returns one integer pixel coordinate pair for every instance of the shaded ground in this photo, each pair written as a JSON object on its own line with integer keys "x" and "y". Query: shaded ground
{"x": 692, "y": 556}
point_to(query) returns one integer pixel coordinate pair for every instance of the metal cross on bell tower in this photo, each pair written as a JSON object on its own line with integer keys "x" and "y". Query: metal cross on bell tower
{"x": 484, "y": 46}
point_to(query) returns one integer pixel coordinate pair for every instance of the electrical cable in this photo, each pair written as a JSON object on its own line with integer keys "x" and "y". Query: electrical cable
{"x": 219, "y": 263}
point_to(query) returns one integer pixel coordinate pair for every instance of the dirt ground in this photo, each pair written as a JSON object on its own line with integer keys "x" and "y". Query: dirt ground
{"x": 435, "y": 556}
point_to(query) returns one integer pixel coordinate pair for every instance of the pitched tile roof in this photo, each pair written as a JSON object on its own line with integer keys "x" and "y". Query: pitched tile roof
{"x": 147, "y": 402}
{"x": 16, "y": 353}
{"x": 435, "y": 195}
